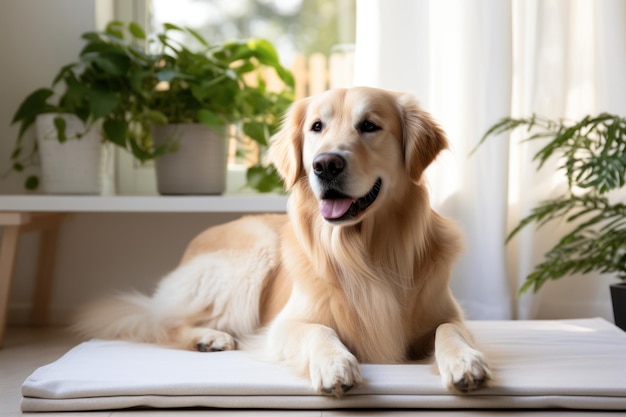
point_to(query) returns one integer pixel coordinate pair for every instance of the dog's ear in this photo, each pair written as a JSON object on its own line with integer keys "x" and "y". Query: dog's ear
{"x": 285, "y": 150}
{"x": 422, "y": 136}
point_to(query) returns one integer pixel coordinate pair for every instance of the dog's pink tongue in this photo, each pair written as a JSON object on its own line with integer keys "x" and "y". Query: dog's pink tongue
{"x": 333, "y": 209}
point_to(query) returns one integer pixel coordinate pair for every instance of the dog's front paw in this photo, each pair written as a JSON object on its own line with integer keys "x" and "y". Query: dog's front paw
{"x": 466, "y": 372}
{"x": 334, "y": 374}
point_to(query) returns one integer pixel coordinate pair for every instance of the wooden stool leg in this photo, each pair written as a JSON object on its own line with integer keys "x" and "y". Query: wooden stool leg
{"x": 45, "y": 276}
{"x": 8, "y": 255}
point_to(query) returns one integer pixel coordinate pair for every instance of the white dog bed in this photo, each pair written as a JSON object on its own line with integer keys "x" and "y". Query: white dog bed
{"x": 576, "y": 364}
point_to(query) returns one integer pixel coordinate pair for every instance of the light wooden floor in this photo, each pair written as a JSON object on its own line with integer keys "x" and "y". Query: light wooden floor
{"x": 26, "y": 349}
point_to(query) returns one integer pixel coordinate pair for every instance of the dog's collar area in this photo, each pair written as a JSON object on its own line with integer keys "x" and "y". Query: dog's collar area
{"x": 337, "y": 207}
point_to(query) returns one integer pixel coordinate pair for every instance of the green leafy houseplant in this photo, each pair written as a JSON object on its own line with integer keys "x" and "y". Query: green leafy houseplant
{"x": 592, "y": 156}
{"x": 101, "y": 86}
{"x": 217, "y": 86}
{"x": 122, "y": 82}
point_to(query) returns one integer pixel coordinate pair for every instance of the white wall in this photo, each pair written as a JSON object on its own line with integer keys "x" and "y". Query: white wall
{"x": 100, "y": 253}
{"x": 37, "y": 37}
{"x": 97, "y": 253}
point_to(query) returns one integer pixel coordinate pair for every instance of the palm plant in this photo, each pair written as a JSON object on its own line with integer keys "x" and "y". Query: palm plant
{"x": 592, "y": 156}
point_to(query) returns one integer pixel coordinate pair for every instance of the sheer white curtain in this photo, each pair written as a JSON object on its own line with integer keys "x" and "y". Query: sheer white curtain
{"x": 471, "y": 62}
{"x": 570, "y": 61}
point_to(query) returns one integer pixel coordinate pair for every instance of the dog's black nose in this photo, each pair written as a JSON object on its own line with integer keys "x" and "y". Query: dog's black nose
{"x": 328, "y": 166}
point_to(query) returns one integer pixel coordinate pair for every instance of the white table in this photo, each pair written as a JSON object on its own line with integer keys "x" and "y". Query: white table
{"x": 45, "y": 213}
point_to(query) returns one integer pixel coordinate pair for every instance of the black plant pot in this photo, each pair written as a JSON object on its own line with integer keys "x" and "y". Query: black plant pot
{"x": 618, "y": 295}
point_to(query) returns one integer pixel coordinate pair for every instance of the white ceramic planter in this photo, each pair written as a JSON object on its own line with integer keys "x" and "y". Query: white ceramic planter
{"x": 79, "y": 165}
{"x": 198, "y": 166}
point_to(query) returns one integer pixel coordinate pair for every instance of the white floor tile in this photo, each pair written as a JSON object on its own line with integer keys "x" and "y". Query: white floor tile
{"x": 24, "y": 351}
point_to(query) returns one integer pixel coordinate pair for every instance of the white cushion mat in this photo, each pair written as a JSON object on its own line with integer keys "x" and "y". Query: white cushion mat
{"x": 575, "y": 364}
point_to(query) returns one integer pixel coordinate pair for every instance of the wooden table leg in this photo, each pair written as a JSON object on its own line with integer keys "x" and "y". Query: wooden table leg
{"x": 48, "y": 224}
{"x": 45, "y": 276}
{"x": 14, "y": 225}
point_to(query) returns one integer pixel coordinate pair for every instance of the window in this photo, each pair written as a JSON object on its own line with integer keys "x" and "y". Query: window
{"x": 314, "y": 38}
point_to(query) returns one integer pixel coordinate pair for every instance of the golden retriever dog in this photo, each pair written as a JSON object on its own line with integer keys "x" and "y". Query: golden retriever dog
{"x": 357, "y": 271}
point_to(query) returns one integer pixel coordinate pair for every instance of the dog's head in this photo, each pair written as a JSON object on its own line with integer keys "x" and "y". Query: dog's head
{"x": 356, "y": 149}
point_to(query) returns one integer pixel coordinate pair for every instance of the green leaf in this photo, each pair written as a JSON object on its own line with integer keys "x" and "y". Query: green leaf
{"x": 31, "y": 183}
{"x": 138, "y": 82}
{"x": 257, "y": 131}
{"x": 286, "y": 76}
{"x": 264, "y": 179}
{"x": 59, "y": 125}
{"x": 244, "y": 67}
{"x": 210, "y": 119}
{"x": 170, "y": 26}
{"x": 115, "y": 131}
{"x": 18, "y": 167}
{"x": 140, "y": 57}
{"x": 154, "y": 117}
{"x": 113, "y": 64}
{"x": 65, "y": 72}
{"x": 502, "y": 126}
{"x": 116, "y": 29}
{"x": 138, "y": 152}
{"x": 91, "y": 36}
{"x": 198, "y": 37}
{"x": 267, "y": 55}
{"x": 102, "y": 103}
{"x": 136, "y": 30}
{"x": 95, "y": 49}
{"x": 33, "y": 105}
{"x": 75, "y": 97}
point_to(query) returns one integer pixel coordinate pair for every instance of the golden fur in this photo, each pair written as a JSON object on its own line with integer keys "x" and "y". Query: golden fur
{"x": 321, "y": 293}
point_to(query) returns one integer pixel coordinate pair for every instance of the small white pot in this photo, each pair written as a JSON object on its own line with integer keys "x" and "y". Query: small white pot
{"x": 80, "y": 165}
{"x": 199, "y": 164}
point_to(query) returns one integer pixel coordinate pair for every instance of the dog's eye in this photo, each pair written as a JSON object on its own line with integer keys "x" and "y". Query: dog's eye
{"x": 367, "y": 127}
{"x": 317, "y": 126}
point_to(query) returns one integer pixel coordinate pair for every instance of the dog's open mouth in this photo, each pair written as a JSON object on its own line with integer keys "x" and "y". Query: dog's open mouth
{"x": 336, "y": 206}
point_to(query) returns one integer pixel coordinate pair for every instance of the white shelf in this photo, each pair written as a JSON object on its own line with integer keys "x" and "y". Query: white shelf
{"x": 245, "y": 203}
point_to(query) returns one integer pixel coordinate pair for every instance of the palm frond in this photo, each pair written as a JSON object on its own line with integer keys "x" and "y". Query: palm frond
{"x": 592, "y": 155}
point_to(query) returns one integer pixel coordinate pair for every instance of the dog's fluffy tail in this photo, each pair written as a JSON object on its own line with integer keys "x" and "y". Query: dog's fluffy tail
{"x": 131, "y": 317}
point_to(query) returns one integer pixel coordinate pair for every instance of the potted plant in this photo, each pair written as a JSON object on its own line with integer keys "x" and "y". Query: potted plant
{"x": 121, "y": 90}
{"x": 195, "y": 96}
{"x": 89, "y": 100}
{"x": 592, "y": 155}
